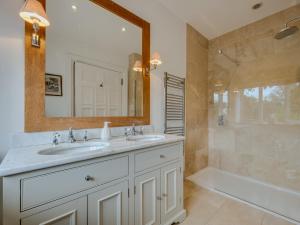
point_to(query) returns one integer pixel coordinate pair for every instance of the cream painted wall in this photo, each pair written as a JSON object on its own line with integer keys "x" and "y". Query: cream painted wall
{"x": 11, "y": 72}
{"x": 168, "y": 37}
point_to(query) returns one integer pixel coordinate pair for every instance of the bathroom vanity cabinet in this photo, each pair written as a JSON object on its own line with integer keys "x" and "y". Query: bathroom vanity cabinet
{"x": 139, "y": 187}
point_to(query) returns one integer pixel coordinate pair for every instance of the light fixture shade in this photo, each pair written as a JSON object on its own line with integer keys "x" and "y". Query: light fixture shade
{"x": 138, "y": 67}
{"x": 34, "y": 12}
{"x": 156, "y": 59}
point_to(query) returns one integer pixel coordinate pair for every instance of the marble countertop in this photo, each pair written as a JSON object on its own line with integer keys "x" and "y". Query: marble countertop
{"x": 26, "y": 159}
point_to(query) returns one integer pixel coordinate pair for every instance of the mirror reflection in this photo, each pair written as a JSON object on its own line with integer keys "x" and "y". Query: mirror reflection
{"x": 90, "y": 58}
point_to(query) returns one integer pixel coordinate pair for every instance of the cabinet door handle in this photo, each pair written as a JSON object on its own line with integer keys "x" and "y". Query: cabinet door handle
{"x": 89, "y": 178}
{"x": 162, "y": 156}
{"x": 165, "y": 195}
{"x": 158, "y": 198}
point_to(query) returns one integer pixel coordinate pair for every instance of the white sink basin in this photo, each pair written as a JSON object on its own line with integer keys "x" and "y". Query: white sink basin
{"x": 74, "y": 148}
{"x": 146, "y": 138}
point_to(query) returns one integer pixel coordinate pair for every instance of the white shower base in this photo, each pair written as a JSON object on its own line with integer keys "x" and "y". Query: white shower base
{"x": 280, "y": 201}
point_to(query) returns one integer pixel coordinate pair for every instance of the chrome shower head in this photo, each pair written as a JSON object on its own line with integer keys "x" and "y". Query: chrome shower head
{"x": 285, "y": 32}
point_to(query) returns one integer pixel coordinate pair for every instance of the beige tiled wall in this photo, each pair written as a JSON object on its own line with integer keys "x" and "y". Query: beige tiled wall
{"x": 255, "y": 87}
{"x": 196, "y": 102}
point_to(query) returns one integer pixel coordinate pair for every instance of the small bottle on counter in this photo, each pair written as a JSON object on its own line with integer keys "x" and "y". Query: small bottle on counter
{"x": 105, "y": 133}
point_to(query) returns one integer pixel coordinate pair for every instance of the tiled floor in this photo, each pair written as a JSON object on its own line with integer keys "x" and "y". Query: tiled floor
{"x": 208, "y": 208}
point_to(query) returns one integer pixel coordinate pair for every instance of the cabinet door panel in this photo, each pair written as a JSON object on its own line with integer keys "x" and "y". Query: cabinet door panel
{"x": 71, "y": 213}
{"x": 147, "y": 199}
{"x": 109, "y": 206}
{"x": 170, "y": 181}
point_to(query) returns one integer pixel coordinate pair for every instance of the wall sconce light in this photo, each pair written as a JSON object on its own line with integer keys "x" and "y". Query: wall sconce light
{"x": 33, "y": 12}
{"x": 154, "y": 63}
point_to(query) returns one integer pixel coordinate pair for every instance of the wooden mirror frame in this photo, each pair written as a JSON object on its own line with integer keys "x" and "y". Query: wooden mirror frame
{"x": 35, "y": 118}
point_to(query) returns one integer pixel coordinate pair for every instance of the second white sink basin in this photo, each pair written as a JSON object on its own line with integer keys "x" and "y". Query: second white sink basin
{"x": 146, "y": 138}
{"x": 74, "y": 148}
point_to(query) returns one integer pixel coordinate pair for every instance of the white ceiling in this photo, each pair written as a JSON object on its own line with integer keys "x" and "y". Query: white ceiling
{"x": 213, "y": 18}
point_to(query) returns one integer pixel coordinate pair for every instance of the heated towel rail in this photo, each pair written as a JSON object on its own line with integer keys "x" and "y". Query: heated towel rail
{"x": 174, "y": 105}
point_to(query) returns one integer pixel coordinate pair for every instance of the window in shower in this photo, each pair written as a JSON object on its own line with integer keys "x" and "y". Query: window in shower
{"x": 277, "y": 104}
{"x": 293, "y": 102}
{"x": 274, "y": 104}
{"x": 221, "y": 105}
{"x": 250, "y": 105}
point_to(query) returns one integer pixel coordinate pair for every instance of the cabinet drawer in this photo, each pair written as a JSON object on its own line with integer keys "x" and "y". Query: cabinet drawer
{"x": 42, "y": 189}
{"x": 151, "y": 158}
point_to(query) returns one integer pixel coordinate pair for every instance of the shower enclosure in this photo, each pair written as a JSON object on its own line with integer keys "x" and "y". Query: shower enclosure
{"x": 254, "y": 114}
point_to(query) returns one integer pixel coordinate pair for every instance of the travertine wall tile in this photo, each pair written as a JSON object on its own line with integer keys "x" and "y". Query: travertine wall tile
{"x": 196, "y": 102}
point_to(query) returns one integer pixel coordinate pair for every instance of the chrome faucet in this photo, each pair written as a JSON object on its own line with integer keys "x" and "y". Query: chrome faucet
{"x": 71, "y": 136}
{"x": 221, "y": 120}
{"x": 55, "y": 140}
{"x": 132, "y": 131}
{"x": 85, "y": 137}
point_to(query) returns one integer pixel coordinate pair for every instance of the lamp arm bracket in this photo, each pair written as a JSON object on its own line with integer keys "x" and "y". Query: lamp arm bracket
{"x": 36, "y": 27}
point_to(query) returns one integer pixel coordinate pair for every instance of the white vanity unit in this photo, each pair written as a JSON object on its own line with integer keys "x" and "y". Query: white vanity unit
{"x": 136, "y": 182}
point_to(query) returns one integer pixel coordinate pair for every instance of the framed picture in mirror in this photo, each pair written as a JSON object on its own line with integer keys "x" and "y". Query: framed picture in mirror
{"x": 53, "y": 85}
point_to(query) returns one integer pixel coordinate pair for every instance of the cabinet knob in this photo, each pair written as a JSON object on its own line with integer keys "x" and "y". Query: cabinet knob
{"x": 89, "y": 178}
{"x": 165, "y": 195}
{"x": 158, "y": 198}
{"x": 162, "y": 156}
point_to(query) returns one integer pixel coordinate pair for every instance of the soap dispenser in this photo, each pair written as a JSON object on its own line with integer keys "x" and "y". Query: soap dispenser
{"x": 105, "y": 133}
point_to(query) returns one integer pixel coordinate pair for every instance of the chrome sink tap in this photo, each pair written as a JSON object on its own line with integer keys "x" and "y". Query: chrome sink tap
{"x": 71, "y": 137}
{"x": 132, "y": 131}
{"x": 85, "y": 137}
{"x": 141, "y": 131}
{"x": 55, "y": 140}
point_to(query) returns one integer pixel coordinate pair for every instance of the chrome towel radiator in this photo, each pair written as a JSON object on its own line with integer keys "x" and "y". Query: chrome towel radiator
{"x": 174, "y": 105}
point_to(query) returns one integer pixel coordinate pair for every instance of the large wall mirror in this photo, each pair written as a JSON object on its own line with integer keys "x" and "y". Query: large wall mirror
{"x": 83, "y": 73}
